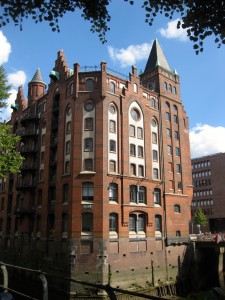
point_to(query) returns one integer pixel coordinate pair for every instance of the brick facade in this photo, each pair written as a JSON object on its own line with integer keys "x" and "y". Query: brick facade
{"x": 88, "y": 203}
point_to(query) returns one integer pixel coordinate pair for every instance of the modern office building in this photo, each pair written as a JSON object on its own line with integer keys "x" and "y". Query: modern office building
{"x": 208, "y": 173}
{"x": 106, "y": 181}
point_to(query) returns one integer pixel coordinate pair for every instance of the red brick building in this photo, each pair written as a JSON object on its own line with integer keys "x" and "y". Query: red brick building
{"x": 106, "y": 180}
{"x": 208, "y": 190}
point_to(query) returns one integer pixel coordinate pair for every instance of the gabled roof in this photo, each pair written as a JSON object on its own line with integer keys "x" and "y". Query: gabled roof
{"x": 37, "y": 77}
{"x": 156, "y": 58}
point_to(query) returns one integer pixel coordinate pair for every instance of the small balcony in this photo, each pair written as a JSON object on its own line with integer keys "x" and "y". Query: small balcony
{"x": 27, "y": 132}
{"x": 28, "y": 150}
{"x": 28, "y": 167}
{"x": 23, "y": 185}
{"x": 24, "y": 211}
{"x": 29, "y": 117}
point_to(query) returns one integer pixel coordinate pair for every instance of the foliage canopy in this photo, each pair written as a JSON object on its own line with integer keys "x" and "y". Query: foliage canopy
{"x": 199, "y": 217}
{"x": 200, "y": 18}
{"x": 10, "y": 159}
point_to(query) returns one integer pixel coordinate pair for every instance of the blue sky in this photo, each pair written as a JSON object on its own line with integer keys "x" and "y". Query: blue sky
{"x": 129, "y": 41}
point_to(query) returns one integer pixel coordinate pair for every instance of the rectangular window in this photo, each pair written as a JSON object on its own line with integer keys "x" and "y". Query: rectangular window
{"x": 43, "y": 140}
{"x": 169, "y": 150}
{"x": 178, "y": 168}
{"x": 154, "y": 138}
{"x": 112, "y": 166}
{"x": 155, "y": 155}
{"x": 140, "y": 133}
{"x": 39, "y": 200}
{"x": 133, "y": 169}
{"x": 132, "y": 150}
{"x": 176, "y": 135}
{"x": 132, "y": 131}
{"x": 141, "y": 194}
{"x": 140, "y": 170}
{"x": 68, "y": 147}
{"x": 179, "y": 186}
{"x": 42, "y": 157}
{"x": 140, "y": 151}
{"x": 88, "y": 124}
{"x": 88, "y": 164}
{"x": 88, "y": 191}
{"x": 112, "y": 126}
{"x": 88, "y": 144}
{"x": 177, "y": 151}
{"x": 175, "y": 119}
{"x": 68, "y": 127}
{"x": 155, "y": 173}
{"x": 112, "y": 146}
{"x": 168, "y": 132}
{"x": 167, "y": 116}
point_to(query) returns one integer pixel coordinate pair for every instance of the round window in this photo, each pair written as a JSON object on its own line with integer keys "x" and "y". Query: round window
{"x": 112, "y": 109}
{"x": 135, "y": 114}
{"x": 154, "y": 124}
{"x": 68, "y": 111}
{"x": 89, "y": 106}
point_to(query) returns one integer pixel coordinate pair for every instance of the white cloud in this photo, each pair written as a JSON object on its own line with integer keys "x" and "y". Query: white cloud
{"x": 5, "y": 49}
{"x": 130, "y": 55}
{"x": 171, "y": 32}
{"x": 18, "y": 78}
{"x": 6, "y": 112}
{"x": 206, "y": 139}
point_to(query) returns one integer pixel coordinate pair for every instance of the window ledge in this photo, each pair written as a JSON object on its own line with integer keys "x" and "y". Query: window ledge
{"x": 87, "y": 172}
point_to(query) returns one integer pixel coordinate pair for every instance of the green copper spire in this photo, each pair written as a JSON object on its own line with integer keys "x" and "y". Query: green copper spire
{"x": 156, "y": 58}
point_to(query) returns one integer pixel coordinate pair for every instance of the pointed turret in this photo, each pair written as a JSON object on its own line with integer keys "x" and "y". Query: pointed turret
{"x": 156, "y": 58}
{"x": 36, "y": 87}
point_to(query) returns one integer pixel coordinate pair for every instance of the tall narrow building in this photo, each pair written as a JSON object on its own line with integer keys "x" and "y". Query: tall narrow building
{"x": 105, "y": 188}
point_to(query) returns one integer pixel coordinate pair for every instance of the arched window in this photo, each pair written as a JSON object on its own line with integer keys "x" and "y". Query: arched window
{"x": 89, "y": 85}
{"x": 178, "y": 233}
{"x": 153, "y": 103}
{"x": 157, "y": 196}
{"x": 158, "y": 225}
{"x": 170, "y": 88}
{"x": 137, "y": 225}
{"x": 113, "y": 192}
{"x": 71, "y": 88}
{"x": 165, "y": 86}
{"x": 112, "y": 87}
{"x": 113, "y": 223}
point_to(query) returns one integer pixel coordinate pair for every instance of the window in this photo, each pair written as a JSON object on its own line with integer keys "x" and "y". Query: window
{"x": 154, "y": 123}
{"x": 89, "y": 84}
{"x": 113, "y": 192}
{"x": 167, "y": 105}
{"x": 67, "y": 167}
{"x": 132, "y": 150}
{"x": 112, "y": 166}
{"x": 71, "y": 88}
{"x": 39, "y": 198}
{"x": 153, "y": 103}
{"x": 141, "y": 222}
{"x": 133, "y": 169}
{"x": 88, "y": 191}
{"x": 165, "y": 86}
{"x": 155, "y": 173}
{"x": 88, "y": 144}
{"x": 68, "y": 147}
{"x": 112, "y": 126}
{"x": 135, "y": 114}
{"x": 89, "y": 105}
{"x": 157, "y": 196}
{"x": 87, "y": 222}
{"x": 179, "y": 185}
{"x": 178, "y": 168}
{"x": 176, "y": 135}
{"x": 112, "y": 109}
{"x": 113, "y": 222}
{"x": 41, "y": 174}
{"x": 167, "y": 116}
{"x": 140, "y": 170}
{"x": 65, "y": 193}
{"x": 175, "y": 119}
{"x": 64, "y": 222}
{"x": 43, "y": 140}
{"x": 168, "y": 132}
{"x": 140, "y": 151}
{"x": 112, "y": 146}
{"x": 68, "y": 111}
{"x": 140, "y": 133}
{"x": 88, "y": 124}
{"x": 132, "y": 222}
{"x": 112, "y": 87}
{"x": 177, "y": 151}
{"x": 132, "y": 131}
{"x": 169, "y": 150}
{"x": 68, "y": 127}
{"x": 178, "y": 233}
{"x": 133, "y": 193}
{"x": 177, "y": 208}
{"x": 42, "y": 157}
{"x": 155, "y": 155}
{"x": 154, "y": 138}
{"x": 174, "y": 90}
{"x": 170, "y": 88}
{"x": 158, "y": 223}
{"x": 135, "y": 88}
{"x": 88, "y": 164}
{"x": 141, "y": 194}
